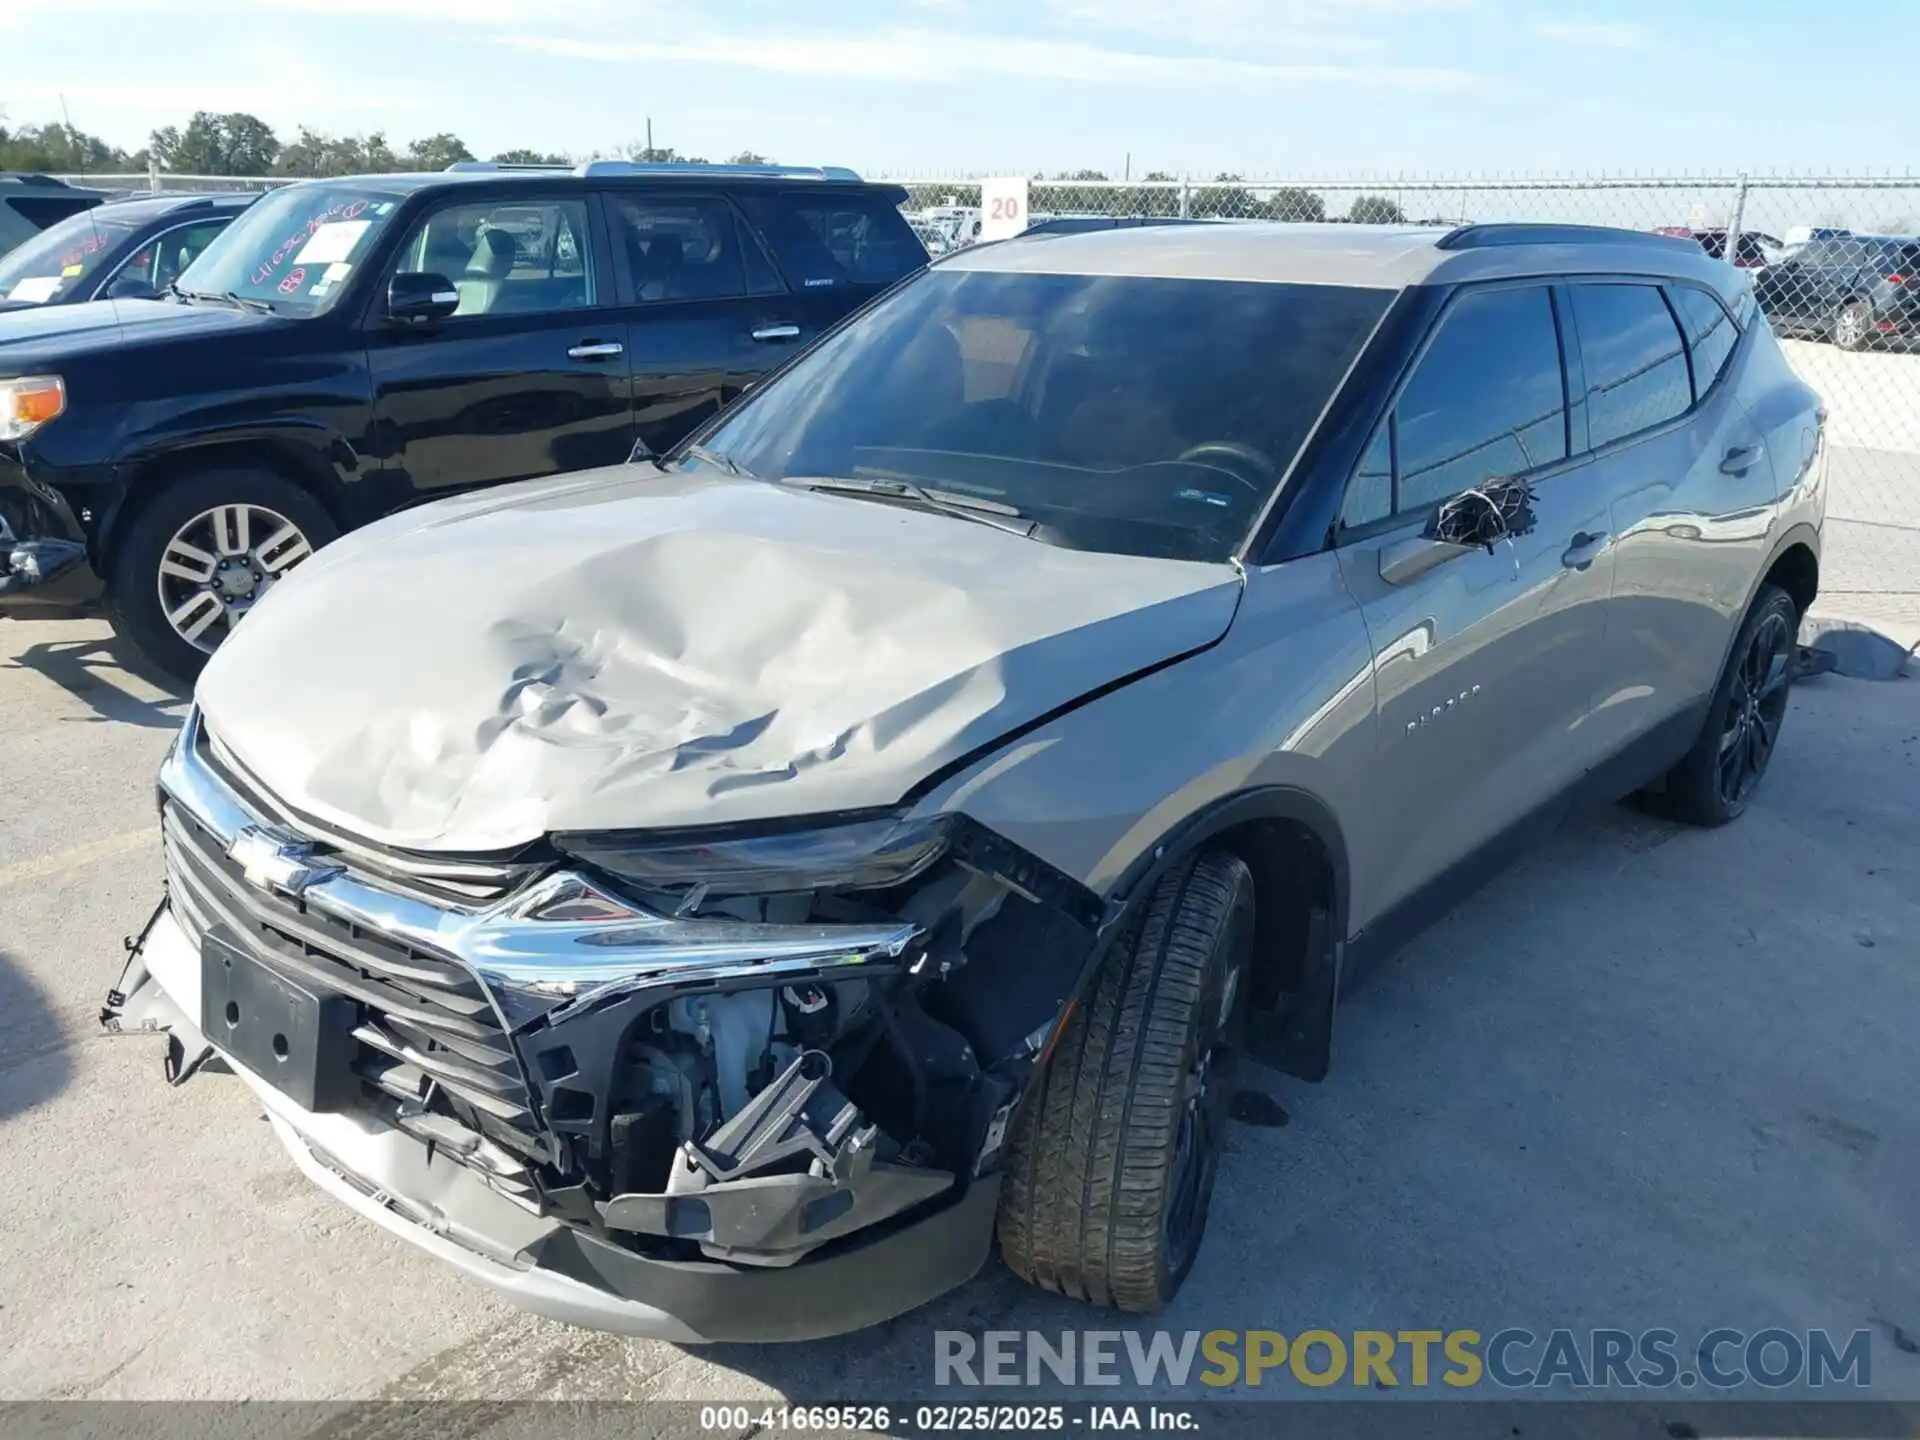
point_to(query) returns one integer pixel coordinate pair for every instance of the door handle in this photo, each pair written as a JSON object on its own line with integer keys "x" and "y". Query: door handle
{"x": 597, "y": 350}
{"x": 1740, "y": 459}
{"x": 777, "y": 332}
{"x": 1584, "y": 549}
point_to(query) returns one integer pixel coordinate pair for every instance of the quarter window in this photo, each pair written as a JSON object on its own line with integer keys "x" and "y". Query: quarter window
{"x": 1636, "y": 368}
{"x": 1486, "y": 400}
{"x": 680, "y": 249}
{"x": 826, "y": 240}
{"x": 1710, "y": 334}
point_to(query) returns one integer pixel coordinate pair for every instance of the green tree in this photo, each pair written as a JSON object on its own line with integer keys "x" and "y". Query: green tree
{"x": 235, "y": 143}
{"x": 529, "y": 157}
{"x": 750, "y": 157}
{"x": 1376, "y": 210}
{"x": 315, "y": 153}
{"x": 1226, "y": 197}
{"x": 58, "y": 150}
{"x": 1290, "y": 202}
{"x": 436, "y": 152}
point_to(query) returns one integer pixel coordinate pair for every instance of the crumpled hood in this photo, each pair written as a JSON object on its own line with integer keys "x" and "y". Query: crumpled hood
{"x": 631, "y": 649}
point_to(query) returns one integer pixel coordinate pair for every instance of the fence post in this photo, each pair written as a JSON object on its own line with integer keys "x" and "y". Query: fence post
{"x": 1186, "y": 187}
{"x": 1739, "y": 214}
{"x": 153, "y": 175}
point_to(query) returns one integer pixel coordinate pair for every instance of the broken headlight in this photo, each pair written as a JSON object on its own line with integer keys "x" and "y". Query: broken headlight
{"x": 866, "y": 853}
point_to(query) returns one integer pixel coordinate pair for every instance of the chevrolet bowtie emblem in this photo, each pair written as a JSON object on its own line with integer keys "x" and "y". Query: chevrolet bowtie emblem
{"x": 276, "y": 860}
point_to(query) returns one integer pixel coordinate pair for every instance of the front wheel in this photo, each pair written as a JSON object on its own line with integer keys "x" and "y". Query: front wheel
{"x": 1112, "y": 1157}
{"x": 201, "y": 555}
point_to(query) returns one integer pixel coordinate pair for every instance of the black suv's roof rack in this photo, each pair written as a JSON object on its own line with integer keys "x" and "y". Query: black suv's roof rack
{"x": 602, "y": 169}
{"x": 1482, "y": 237}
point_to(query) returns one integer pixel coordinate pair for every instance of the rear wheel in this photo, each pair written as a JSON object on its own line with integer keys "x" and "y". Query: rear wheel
{"x": 201, "y": 555}
{"x": 1720, "y": 774}
{"x": 1113, "y": 1155}
{"x": 1853, "y": 325}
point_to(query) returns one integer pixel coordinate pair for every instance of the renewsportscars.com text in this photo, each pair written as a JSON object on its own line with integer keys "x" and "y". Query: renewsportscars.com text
{"x": 1514, "y": 1358}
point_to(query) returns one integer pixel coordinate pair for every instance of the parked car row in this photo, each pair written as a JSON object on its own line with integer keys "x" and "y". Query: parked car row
{"x": 713, "y": 897}
{"x": 1859, "y": 291}
{"x": 341, "y": 349}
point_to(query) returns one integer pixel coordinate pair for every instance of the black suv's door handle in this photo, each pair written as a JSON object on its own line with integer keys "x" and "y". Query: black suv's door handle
{"x": 1584, "y": 549}
{"x": 1739, "y": 460}
{"x": 777, "y": 332}
{"x": 596, "y": 350}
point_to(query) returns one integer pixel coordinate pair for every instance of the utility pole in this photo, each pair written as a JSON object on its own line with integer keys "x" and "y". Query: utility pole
{"x": 649, "y": 137}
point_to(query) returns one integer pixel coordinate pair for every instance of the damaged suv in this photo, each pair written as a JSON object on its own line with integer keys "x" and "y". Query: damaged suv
{"x": 708, "y": 898}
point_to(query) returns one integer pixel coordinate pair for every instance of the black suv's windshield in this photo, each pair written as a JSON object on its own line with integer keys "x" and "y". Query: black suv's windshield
{"x": 63, "y": 257}
{"x": 1140, "y": 416}
{"x": 294, "y": 250}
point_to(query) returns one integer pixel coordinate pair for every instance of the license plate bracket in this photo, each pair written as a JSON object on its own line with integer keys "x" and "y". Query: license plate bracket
{"x": 297, "y": 1038}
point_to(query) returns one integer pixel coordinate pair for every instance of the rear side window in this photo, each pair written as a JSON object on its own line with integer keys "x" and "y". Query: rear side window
{"x": 828, "y": 240}
{"x": 1709, "y": 331}
{"x": 1486, "y": 400}
{"x": 679, "y": 248}
{"x": 1636, "y": 368}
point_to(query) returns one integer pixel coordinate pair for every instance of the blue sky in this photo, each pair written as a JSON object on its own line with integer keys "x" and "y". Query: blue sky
{"x": 1266, "y": 87}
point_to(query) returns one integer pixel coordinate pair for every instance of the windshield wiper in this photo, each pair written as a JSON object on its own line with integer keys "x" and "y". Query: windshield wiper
{"x": 715, "y": 458}
{"x": 232, "y": 297}
{"x": 940, "y": 502}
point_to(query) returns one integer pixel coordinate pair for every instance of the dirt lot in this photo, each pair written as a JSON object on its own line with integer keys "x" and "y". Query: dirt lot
{"x": 1650, "y": 1077}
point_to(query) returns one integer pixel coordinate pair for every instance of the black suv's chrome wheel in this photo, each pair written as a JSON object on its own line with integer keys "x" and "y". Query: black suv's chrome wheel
{"x": 219, "y": 564}
{"x": 199, "y": 554}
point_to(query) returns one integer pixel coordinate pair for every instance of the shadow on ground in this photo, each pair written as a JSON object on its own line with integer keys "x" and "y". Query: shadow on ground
{"x": 36, "y": 1060}
{"x": 96, "y": 671}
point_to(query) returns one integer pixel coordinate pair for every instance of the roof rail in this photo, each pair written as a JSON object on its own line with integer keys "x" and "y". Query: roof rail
{"x": 1482, "y": 237}
{"x": 465, "y": 167}
{"x": 601, "y": 168}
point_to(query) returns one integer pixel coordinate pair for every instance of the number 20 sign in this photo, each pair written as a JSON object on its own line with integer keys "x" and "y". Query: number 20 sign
{"x": 1003, "y": 208}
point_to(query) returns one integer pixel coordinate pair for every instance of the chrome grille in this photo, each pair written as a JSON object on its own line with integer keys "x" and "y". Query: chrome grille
{"x": 438, "y": 879}
{"x": 431, "y": 1053}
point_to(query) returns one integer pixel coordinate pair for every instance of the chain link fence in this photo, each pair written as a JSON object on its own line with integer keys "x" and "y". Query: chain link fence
{"x": 1834, "y": 262}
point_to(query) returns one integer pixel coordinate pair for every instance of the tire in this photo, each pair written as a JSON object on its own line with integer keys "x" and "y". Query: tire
{"x": 1852, "y": 325}
{"x": 1713, "y": 785}
{"x": 140, "y": 595}
{"x": 1113, "y": 1152}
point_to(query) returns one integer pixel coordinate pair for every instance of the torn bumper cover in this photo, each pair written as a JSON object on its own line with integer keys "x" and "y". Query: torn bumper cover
{"x": 43, "y": 554}
{"x": 693, "y": 1127}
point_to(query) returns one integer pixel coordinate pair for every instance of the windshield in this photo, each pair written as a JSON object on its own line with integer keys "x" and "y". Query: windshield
{"x": 1139, "y": 416}
{"x": 295, "y": 249}
{"x": 60, "y": 259}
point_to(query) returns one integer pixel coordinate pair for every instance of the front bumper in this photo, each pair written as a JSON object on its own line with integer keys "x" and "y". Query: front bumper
{"x": 541, "y": 1263}
{"x": 43, "y": 552}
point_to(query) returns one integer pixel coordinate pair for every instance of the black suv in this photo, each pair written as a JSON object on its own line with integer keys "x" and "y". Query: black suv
{"x": 1859, "y": 291}
{"x": 30, "y": 203}
{"x": 128, "y": 249}
{"x": 350, "y": 347}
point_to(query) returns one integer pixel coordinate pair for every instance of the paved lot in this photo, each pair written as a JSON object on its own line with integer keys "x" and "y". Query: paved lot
{"x": 1651, "y": 1077}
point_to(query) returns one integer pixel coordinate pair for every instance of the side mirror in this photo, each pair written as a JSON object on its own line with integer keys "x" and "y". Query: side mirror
{"x": 132, "y": 287}
{"x": 1485, "y": 515}
{"x": 414, "y": 298}
{"x": 1477, "y": 519}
